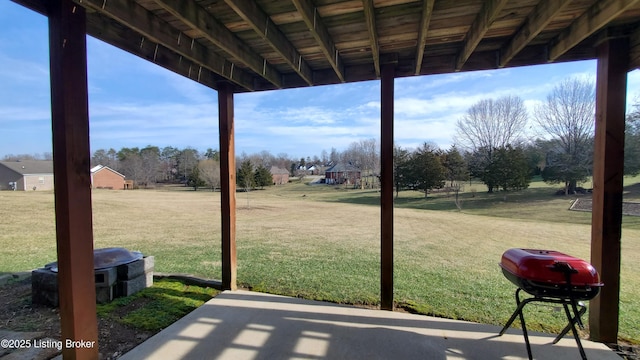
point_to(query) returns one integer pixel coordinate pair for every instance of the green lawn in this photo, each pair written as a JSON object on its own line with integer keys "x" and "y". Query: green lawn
{"x": 323, "y": 243}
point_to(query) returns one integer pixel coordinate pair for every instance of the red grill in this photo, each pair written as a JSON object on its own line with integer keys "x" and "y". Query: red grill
{"x": 551, "y": 277}
{"x": 550, "y": 273}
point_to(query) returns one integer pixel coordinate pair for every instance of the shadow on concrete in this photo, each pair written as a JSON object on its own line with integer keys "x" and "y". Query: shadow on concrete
{"x": 249, "y": 325}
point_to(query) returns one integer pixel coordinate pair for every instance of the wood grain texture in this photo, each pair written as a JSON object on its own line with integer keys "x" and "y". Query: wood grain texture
{"x": 608, "y": 173}
{"x": 537, "y": 20}
{"x": 595, "y": 18}
{"x": 266, "y": 28}
{"x": 227, "y": 185}
{"x": 210, "y": 28}
{"x": 71, "y": 168}
{"x": 156, "y": 30}
{"x": 479, "y": 28}
{"x": 319, "y": 32}
{"x": 370, "y": 18}
{"x": 386, "y": 190}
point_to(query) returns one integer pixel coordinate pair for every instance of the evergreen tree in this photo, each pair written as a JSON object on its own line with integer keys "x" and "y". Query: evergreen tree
{"x": 508, "y": 169}
{"x": 194, "y": 180}
{"x": 245, "y": 176}
{"x": 427, "y": 171}
{"x": 401, "y": 167}
{"x": 456, "y": 166}
{"x": 262, "y": 177}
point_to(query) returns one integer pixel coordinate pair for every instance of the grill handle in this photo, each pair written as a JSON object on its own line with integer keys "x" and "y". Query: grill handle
{"x": 564, "y": 267}
{"x": 568, "y": 270}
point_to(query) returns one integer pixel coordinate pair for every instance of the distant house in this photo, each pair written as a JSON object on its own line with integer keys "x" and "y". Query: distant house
{"x": 104, "y": 177}
{"x": 279, "y": 176}
{"x": 341, "y": 174}
{"x": 26, "y": 175}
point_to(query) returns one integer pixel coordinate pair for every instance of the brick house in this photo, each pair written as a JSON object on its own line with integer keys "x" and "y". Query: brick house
{"x": 104, "y": 177}
{"x": 26, "y": 175}
{"x": 342, "y": 174}
{"x": 279, "y": 176}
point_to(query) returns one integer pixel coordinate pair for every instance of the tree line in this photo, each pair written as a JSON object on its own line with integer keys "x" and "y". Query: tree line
{"x": 152, "y": 165}
{"x": 497, "y": 141}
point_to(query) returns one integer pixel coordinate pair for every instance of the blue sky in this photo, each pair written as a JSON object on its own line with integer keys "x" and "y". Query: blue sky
{"x": 135, "y": 103}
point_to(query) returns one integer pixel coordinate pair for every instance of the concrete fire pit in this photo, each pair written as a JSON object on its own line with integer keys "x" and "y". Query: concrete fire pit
{"x": 118, "y": 272}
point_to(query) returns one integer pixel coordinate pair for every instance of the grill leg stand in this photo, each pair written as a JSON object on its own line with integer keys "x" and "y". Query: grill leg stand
{"x": 575, "y": 320}
{"x": 526, "y": 335}
{"x": 575, "y": 332}
{"x": 516, "y": 313}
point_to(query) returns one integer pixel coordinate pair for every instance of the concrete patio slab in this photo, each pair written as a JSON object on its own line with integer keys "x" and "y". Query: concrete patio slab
{"x": 250, "y": 325}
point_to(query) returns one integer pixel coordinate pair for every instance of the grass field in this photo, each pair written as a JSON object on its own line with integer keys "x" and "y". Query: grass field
{"x": 321, "y": 242}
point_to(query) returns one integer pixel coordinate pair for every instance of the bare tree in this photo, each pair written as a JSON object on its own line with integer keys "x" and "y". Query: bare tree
{"x": 363, "y": 154}
{"x": 492, "y": 124}
{"x": 568, "y": 116}
{"x": 210, "y": 172}
{"x": 149, "y": 165}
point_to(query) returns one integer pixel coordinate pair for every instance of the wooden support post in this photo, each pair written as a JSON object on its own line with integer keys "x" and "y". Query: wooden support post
{"x": 71, "y": 168}
{"x": 386, "y": 197}
{"x": 608, "y": 163}
{"x": 228, "y": 185}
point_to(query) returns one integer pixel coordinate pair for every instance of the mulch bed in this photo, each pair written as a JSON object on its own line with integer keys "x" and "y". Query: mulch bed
{"x": 628, "y": 208}
{"x": 18, "y": 314}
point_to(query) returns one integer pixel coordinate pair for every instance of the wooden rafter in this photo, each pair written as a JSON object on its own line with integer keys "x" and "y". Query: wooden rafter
{"x": 595, "y": 18}
{"x": 263, "y": 26}
{"x": 486, "y": 17}
{"x": 427, "y": 10}
{"x": 370, "y": 17}
{"x": 634, "y": 50}
{"x": 320, "y": 33}
{"x": 134, "y": 43}
{"x": 537, "y": 20}
{"x": 136, "y": 17}
{"x": 189, "y": 12}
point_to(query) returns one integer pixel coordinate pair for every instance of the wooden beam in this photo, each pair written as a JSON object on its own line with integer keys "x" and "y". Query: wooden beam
{"x": 319, "y": 31}
{"x": 634, "y": 50}
{"x": 596, "y": 17}
{"x": 227, "y": 185}
{"x": 192, "y": 14}
{"x": 386, "y": 191}
{"x": 370, "y": 17}
{"x": 267, "y": 29}
{"x": 537, "y": 21}
{"x": 487, "y": 15}
{"x": 133, "y": 15}
{"x": 608, "y": 171}
{"x": 425, "y": 19}
{"x": 71, "y": 169}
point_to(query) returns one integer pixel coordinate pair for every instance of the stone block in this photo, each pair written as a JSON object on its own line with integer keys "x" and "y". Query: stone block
{"x": 106, "y": 277}
{"x": 105, "y": 294}
{"x": 44, "y": 287}
{"x": 45, "y": 279}
{"x": 136, "y": 268}
{"x": 130, "y": 287}
{"x": 45, "y": 297}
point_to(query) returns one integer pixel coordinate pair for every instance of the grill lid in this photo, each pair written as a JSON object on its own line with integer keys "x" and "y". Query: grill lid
{"x": 106, "y": 258}
{"x": 544, "y": 266}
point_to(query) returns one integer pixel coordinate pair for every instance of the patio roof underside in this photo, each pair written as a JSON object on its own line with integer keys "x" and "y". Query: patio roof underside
{"x": 272, "y": 44}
